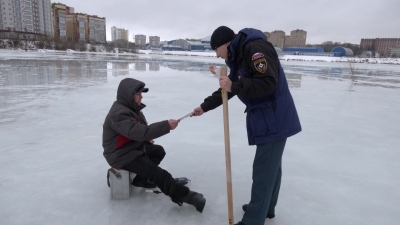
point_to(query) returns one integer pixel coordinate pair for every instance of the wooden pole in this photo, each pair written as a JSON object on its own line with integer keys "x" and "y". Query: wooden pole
{"x": 227, "y": 150}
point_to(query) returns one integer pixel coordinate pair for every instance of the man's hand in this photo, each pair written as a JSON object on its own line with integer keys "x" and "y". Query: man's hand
{"x": 197, "y": 111}
{"x": 225, "y": 83}
{"x": 213, "y": 69}
{"x": 173, "y": 124}
{"x": 151, "y": 141}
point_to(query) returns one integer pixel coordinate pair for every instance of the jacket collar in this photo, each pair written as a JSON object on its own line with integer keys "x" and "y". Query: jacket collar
{"x": 235, "y": 48}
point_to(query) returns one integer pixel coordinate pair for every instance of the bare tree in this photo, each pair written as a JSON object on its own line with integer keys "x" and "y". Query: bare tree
{"x": 352, "y": 74}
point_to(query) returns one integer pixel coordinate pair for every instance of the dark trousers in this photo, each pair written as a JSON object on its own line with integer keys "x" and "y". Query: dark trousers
{"x": 267, "y": 173}
{"x": 146, "y": 167}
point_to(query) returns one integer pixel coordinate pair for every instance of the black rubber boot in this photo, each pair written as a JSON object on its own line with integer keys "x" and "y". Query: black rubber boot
{"x": 269, "y": 216}
{"x": 185, "y": 195}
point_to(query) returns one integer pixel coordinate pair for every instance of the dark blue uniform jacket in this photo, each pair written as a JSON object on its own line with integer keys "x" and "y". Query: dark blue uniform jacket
{"x": 260, "y": 83}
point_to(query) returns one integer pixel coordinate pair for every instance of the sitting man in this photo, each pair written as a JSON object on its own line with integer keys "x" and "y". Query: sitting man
{"x": 128, "y": 144}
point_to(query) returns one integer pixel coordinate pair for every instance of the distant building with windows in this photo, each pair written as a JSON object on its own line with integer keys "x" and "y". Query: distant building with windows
{"x": 119, "y": 34}
{"x": 21, "y": 18}
{"x": 382, "y": 46}
{"x": 298, "y": 38}
{"x": 140, "y": 41}
{"x": 154, "y": 41}
{"x": 279, "y": 39}
{"x": 288, "y": 41}
{"x": 96, "y": 29}
{"x": 72, "y": 26}
{"x": 76, "y": 24}
{"x": 60, "y": 12}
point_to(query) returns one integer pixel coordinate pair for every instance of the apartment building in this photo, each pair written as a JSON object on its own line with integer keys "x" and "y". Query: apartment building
{"x": 7, "y": 18}
{"x": 76, "y": 24}
{"x": 277, "y": 38}
{"x": 383, "y": 46}
{"x": 154, "y": 41}
{"x": 119, "y": 34}
{"x": 72, "y": 26}
{"x": 96, "y": 32}
{"x": 298, "y": 38}
{"x": 45, "y": 18}
{"x": 60, "y": 12}
{"x": 288, "y": 41}
{"x": 124, "y": 34}
{"x": 29, "y": 16}
{"x": 140, "y": 41}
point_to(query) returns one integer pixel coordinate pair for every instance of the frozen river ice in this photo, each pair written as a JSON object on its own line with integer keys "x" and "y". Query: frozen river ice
{"x": 343, "y": 168}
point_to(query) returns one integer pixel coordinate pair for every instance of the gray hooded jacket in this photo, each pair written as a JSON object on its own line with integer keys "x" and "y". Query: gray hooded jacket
{"x": 125, "y": 129}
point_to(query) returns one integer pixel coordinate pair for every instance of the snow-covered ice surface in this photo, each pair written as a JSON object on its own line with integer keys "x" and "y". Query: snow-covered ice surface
{"x": 343, "y": 168}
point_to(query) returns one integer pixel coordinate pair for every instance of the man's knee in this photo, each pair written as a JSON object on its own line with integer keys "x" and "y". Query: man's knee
{"x": 157, "y": 154}
{"x": 160, "y": 151}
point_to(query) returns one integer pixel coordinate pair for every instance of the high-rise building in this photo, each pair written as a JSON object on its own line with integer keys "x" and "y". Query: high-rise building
{"x": 7, "y": 18}
{"x": 298, "y": 38}
{"x": 30, "y": 16}
{"x": 119, "y": 33}
{"x": 97, "y": 29}
{"x": 288, "y": 41}
{"x": 60, "y": 12}
{"x": 154, "y": 41}
{"x": 140, "y": 41}
{"x": 77, "y": 25}
{"x": 45, "y": 19}
{"x": 277, "y": 38}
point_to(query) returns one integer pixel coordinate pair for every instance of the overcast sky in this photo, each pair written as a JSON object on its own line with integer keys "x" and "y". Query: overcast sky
{"x": 324, "y": 20}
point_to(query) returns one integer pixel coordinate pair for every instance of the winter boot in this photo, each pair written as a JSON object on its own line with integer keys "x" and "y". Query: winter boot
{"x": 269, "y": 215}
{"x": 144, "y": 183}
{"x": 183, "y": 194}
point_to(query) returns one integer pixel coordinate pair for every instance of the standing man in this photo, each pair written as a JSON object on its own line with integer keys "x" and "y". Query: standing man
{"x": 128, "y": 144}
{"x": 257, "y": 78}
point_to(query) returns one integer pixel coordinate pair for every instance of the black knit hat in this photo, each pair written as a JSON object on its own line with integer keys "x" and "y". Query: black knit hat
{"x": 220, "y": 36}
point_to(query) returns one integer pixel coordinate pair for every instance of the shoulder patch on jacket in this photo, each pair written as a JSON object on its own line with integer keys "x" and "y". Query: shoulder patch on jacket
{"x": 260, "y": 65}
{"x": 257, "y": 55}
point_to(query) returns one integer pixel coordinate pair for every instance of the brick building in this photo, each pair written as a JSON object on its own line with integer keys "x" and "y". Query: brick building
{"x": 382, "y": 46}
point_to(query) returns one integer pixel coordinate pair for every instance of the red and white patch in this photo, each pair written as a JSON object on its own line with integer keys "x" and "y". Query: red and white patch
{"x": 257, "y": 55}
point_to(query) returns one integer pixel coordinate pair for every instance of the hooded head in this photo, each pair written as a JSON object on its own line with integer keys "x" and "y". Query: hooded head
{"x": 127, "y": 89}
